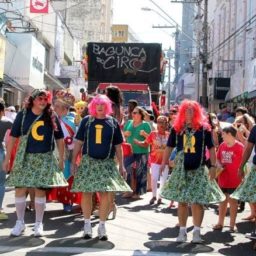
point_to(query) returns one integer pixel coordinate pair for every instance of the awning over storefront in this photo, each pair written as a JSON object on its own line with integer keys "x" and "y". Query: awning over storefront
{"x": 52, "y": 82}
{"x": 252, "y": 95}
{"x": 65, "y": 81}
{"x": 8, "y": 81}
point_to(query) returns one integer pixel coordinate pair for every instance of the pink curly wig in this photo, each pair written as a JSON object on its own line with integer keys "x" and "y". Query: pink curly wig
{"x": 97, "y": 100}
{"x": 199, "y": 116}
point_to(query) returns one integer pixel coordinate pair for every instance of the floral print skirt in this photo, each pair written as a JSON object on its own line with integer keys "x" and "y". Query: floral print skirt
{"x": 246, "y": 191}
{"x": 193, "y": 186}
{"x": 96, "y": 175}
{"x": 39, "y": 170}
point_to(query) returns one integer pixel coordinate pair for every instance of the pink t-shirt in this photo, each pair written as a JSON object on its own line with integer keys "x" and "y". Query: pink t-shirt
{"x": 157, "y": 142}
{"x": 230, "y": 158}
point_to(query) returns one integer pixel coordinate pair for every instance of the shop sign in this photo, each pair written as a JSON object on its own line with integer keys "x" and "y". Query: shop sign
{"x": 39, "y": 6}
{"x": 31, "y": 54}
{"x": 37, "y": 64}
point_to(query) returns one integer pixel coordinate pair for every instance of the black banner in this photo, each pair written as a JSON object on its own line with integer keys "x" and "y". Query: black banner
{"x": 124, "y": 62}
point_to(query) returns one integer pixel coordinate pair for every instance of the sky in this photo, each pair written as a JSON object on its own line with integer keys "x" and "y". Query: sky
{"x": 129, "y": 12}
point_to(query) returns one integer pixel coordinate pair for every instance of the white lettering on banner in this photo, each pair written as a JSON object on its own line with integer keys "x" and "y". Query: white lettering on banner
{"x": 127, "y": 57}
{"x": 37, "y": 64}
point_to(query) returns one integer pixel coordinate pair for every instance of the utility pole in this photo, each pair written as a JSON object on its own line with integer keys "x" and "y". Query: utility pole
{"x": 169, "y": 55}
{"x": 205, "y": 56}
{"x": 198, "y": 50}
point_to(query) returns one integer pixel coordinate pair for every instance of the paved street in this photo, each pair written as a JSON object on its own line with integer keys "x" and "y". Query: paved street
{"x": 139, "y": 229}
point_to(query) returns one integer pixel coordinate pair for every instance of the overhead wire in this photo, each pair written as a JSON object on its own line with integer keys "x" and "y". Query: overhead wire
{"x": 233, "y": 36}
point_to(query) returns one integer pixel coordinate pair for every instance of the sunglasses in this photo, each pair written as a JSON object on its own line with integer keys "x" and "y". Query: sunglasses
{"x": 135, "y": 112}
{"x": 173, "y": 113}
{"x": 40, "y": 98}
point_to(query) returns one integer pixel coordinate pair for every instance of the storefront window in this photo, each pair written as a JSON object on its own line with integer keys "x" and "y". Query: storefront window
{"x": 8, "y": 97}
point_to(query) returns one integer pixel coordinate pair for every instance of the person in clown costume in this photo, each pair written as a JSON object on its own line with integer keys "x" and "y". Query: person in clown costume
{"x": 191, "y": 182}
{"x": 100, "y": 138}
{"x": 35, "y": 166}
{"x": 63, "y": 100}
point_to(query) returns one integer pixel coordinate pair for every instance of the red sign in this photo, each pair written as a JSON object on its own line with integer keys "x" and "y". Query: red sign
{"x": 39, "y": 6}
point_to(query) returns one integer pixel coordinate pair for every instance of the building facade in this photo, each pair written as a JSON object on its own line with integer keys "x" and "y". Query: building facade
{"x": 232, "y": 52}
{"x": 122, "y": 33}
{"x": 89, "y": 20}
{"x": 37, "y": 49}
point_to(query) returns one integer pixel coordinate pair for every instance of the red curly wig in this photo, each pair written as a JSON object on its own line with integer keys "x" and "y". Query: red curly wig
{"x": 199, "y": 117}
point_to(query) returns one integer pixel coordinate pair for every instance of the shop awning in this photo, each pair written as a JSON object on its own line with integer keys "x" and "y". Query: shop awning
{"x": 52, "y": 82}
{"x": 65, "y": 81}
{"x": 252, "y": 94}
{"x": 8, "y": 81}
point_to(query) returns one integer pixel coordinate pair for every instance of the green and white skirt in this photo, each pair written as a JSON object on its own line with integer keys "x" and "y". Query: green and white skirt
{"x": 95, "y": 175}
{"x": 246, "y": 191}
{"x": 39, "y": 170}
{"x": 193, "y": 186}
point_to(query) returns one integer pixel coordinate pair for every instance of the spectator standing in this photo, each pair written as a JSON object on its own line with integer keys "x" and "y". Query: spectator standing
{"x": 5, "y": 125}
{"x": 137, "y": 130}
{"x": 229, "y": 157}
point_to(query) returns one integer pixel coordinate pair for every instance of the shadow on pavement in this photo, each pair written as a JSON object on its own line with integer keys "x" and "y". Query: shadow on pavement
{"x": 238, "y": 250}
{"x": 64, "y": 224}
{"x": 23, "y": 241}
{"x": 139, "y": 208}
{"x": 94, "y": 243}
{"x": 70, "y": 247}
{"x": 168, "y": 210}
{"x": 218, "y": 237}
{"x": 166, "y": 233}
{"x": 10, "y": 205}
{"x": 120, "y": 201}
{"x": 245, "y": 227}
{"x": 40, "y": 253}
{"x": 166, "y": 246}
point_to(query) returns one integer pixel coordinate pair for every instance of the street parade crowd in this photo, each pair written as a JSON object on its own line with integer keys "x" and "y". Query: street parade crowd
{"x": 85, "y": 152}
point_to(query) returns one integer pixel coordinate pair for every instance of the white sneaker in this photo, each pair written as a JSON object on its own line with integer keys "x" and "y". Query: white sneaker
{"x": 197, "y": 237}
{"x": 18, "y": 228}
{"x": 102, "y": 233}
{"x": 38, "y": 229}
{"x": 182, "y": 237}
{"x": 87, "y": 230}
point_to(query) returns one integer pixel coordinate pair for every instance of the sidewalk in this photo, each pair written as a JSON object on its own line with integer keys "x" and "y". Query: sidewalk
{"x": 139, "y": 229}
